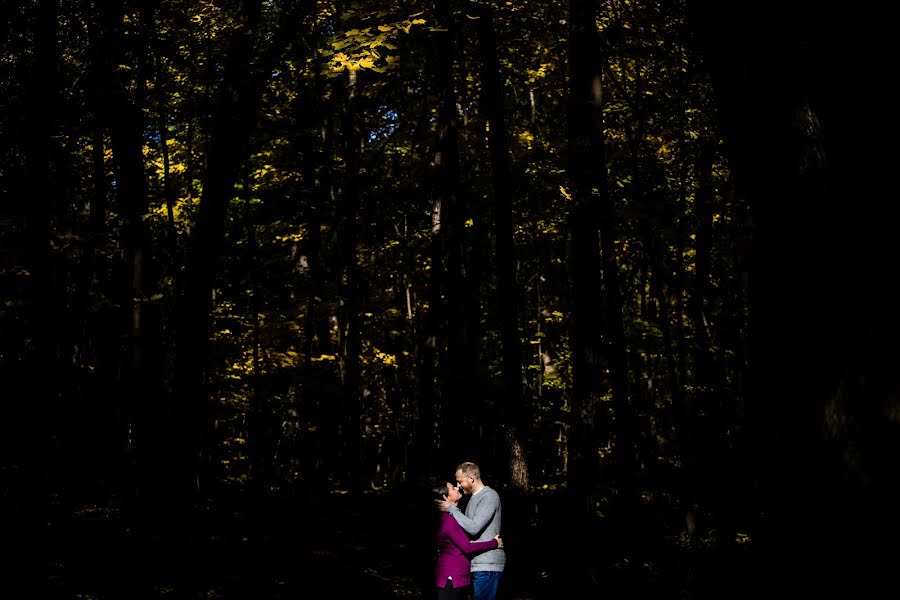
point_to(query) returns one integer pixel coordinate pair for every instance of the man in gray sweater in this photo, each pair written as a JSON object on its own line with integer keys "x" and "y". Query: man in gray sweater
{"x": 482, "y": 522}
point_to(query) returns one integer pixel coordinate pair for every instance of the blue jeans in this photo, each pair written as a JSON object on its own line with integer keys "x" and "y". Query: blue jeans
{"x": 486, "y": 583}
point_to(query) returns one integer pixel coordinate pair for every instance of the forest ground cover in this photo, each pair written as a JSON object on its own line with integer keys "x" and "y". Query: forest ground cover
{"x": 332, "y": 545}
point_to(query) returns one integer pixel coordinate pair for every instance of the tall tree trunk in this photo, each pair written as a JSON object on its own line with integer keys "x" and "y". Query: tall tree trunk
{"x": 515, "y": 413}
{"x": 447, "y": 254}
{"x": 585, "y": 156}
{"x": 592, "y": 223}
{"x": 27, "y": 562}
{"x": 188, "y": 416}
{"x": 126, "y": 124}
{"x": 315, "y": 111}
{"x": 453, "y": 373}
{"x": 105, "y": 325}
{"x": 712, "y": 448}
{"x": 234, "y": 115}
{"x": 258, "y": 434}
{"x": 318, "y": 171}
{"x": 243, "y": 80}
{"x": 697, "y": 426}
{"x": 151, "y": 34}
{"x": 425, "y": 330}
{"x": 350, "y": 291}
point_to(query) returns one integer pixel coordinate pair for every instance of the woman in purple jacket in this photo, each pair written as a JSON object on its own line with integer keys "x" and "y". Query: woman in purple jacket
{"x": 451, "y": 571}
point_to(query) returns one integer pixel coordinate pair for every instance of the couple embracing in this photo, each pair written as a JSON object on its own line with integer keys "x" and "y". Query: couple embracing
{"x": 470, "y": 549}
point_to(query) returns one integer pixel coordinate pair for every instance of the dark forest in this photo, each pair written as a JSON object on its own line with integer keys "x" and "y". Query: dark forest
{"x": 269, "y": 269}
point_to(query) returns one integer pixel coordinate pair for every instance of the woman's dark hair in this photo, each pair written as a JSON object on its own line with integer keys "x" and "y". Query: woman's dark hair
{"x": 440, "y": 489}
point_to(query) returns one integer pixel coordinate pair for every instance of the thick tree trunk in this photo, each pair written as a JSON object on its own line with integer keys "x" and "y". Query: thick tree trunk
{"x": 314, "y": 112}
{"x": 516, "y": 416}
{"x": 26, "y": 566}
{"x": 585, "y": 156}
{"x": 233, "y": 119}
{"x": 124, "y": 117}
{"x": 186, "y": 456}
{"x": 592, "y": 224}
{"x": 455, "y": 385}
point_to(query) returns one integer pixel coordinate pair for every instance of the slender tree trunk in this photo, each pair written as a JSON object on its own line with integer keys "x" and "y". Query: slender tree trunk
{"x": 318, "y": 170}
{"x": 168, "y": 187}
{"x": 703, "y": 367}
{"x": 350, "y": 291}
{"x": 149, "y": 26}
{"x": 257, "y": 446}
{"x": 429, "y": 353}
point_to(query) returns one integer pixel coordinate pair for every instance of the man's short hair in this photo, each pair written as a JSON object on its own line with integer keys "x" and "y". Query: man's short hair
{"x": 470, "y": 469}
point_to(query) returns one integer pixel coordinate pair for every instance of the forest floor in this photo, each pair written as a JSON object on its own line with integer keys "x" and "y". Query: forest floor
{"x": 378, "y": 547}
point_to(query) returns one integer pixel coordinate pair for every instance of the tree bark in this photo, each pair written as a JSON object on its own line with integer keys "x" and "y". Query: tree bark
{"x": 455, "y": 384}
{"x": 124, "y": 118}
{"x": 187, "y": 420}
{"x": 350, "y": 291}
{"x": 593, "y": 229}
{"x": 27, "y": 566}
{"x": 516, "y": 416}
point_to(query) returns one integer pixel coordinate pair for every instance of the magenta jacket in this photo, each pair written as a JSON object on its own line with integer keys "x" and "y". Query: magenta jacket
{"x": 454, "y": 552}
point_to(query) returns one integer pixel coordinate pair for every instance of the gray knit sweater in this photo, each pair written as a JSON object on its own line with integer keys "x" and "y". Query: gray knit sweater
{"x": 482, "y": 522}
